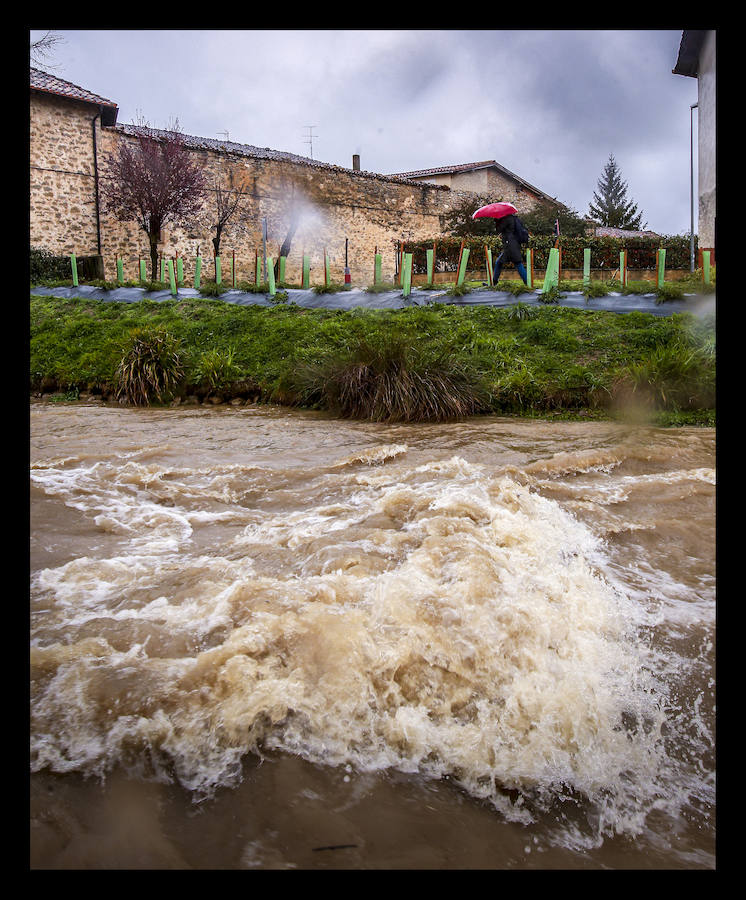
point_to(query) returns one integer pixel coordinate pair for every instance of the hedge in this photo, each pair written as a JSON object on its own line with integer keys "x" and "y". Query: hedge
{"x": 641, "y": 251}
{"x": 44, "y": 265}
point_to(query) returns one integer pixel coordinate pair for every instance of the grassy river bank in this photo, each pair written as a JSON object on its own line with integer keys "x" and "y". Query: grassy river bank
{"x": 421, "y": 363}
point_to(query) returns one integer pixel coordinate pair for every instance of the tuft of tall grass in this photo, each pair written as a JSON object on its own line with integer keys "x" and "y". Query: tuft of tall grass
{"x": 392, "y": 381}
{"x": 520, "y": 311}
{"x": 673, "y": 376}
{"x": 216, "y": 369}
{"x": 151, "y": 367}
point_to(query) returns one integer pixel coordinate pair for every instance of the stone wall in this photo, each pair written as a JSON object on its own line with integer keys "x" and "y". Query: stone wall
{"x": 62, "y": 176}
{"x": 371, "y": 211}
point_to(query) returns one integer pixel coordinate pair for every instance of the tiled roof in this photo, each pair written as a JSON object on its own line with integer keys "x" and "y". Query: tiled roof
{"x": 439, "y": 170}
{"x": 50, "y": 84}
{"x": 470, "y": 167}
{"x": 203, "y": 143}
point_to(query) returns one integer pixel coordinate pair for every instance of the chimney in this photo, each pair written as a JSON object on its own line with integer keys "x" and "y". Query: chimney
{"x": 356, "y": 162}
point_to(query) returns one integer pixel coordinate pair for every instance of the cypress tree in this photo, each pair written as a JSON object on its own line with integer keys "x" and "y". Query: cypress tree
{"x": 610, "y": 205}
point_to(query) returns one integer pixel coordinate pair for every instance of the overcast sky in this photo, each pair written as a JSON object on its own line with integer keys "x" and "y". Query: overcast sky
{"x": 550, "y": 106}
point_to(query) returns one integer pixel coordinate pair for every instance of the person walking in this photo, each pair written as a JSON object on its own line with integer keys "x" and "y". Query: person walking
{"x": 506, "y": 227}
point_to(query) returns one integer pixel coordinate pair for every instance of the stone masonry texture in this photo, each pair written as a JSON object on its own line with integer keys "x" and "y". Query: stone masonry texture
{"x": 371, "y": 211}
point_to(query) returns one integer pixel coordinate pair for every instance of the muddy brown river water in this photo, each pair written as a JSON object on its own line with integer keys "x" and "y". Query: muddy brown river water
{"x": 270, "y": 639}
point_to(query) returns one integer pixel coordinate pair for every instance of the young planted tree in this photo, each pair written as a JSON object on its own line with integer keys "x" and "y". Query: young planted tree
{"x": 610, "y": 205}
{"x": 153, "y": 180}
{"x": 228, "y": 208}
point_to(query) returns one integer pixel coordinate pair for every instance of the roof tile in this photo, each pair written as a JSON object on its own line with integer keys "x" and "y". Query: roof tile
{"x": 43, "y": 81}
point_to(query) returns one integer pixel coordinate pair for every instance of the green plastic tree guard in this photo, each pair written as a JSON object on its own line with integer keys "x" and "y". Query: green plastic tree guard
{"x": 74, "y": 267}
{"x": 143, "y": 271}
{"x": 706, "y": 266}
{"x": 407, "y": 279}
{"x": 377, "y": 263}
{"x": 306, "y": 272}
{"x": 218, "y": 273}
{"x": 490, "y": 267}
{"x": 430, "y": 265}
{"x": 120, "y": 271}
{"x": 462, "y": 267}
{"x": 551, "y": 278}
{"x": 587, "y": 265}
{"x": 171, "y": 278}
{"x": 623, "y": 267}
{"x": 271, "y": 276}
{"x": 197, "y": 272}
{"x": 281, "y": 270}
{"x": 180, "y": 270}
{"x": 326, "y": 269}
{"x": 661, "y": 266}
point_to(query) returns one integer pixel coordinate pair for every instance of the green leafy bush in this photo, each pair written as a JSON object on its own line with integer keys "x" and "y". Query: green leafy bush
{"x": 211, "y": 288}
{"x": 47, "y": 266}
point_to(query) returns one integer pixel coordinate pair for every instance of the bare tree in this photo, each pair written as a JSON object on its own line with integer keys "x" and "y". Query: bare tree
{"x": 153, "y": 180}
{"x": 228, "y": 208}
{"x": 43, "y": 48}
{"x": 292, "y": 212}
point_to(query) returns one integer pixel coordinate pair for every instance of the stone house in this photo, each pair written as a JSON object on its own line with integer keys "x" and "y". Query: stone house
{"x": 487, "y": 177}
{"x": 73, "y": 131}
{"x": 697, "y": 58}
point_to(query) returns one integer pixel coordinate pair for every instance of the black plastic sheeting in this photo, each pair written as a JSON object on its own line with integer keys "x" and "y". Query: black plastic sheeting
{"x": 357, "y": 298}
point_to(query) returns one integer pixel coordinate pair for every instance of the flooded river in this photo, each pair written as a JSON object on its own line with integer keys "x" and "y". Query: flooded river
{"x": 268, "y": 639}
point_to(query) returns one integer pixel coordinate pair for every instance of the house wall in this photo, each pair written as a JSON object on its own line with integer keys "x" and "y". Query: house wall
{"x": 487, "y": 181}
{"x": 706, "y": 99}
{"x": 62, "y": 183}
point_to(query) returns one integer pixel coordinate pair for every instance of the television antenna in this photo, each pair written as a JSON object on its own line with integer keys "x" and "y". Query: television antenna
{"x": 310, "y": 136}
{"x": 227, "y": 134}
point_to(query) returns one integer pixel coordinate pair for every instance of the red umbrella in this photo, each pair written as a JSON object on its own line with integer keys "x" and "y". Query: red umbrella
{"x": 495, "y": 211}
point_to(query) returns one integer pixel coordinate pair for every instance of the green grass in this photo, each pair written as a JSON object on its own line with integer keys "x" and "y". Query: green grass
{"x": 539, "y": 360}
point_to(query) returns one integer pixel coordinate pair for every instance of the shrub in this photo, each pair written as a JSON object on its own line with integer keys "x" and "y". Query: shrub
{"x": 211, "y": 289}
{"x": 47, "y": 266}
{"x": 669, "y": 291}
{"x": 216, "y": 369}
{"x": 513, "y": 286}
{"x": 458, "y": 290}
{"x": 550, "y": 295}
{"x": 331, "y": 288}
{"x": 151, "y": 367}
{"x": 392, "y": 381}
{"x": 595, "y": 289}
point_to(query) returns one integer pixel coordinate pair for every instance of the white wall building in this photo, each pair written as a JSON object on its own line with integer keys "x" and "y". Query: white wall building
{"x": 697, "y": 59}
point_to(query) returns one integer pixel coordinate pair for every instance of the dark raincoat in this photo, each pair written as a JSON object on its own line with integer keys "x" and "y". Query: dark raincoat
{"x": 505, "y": 227}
